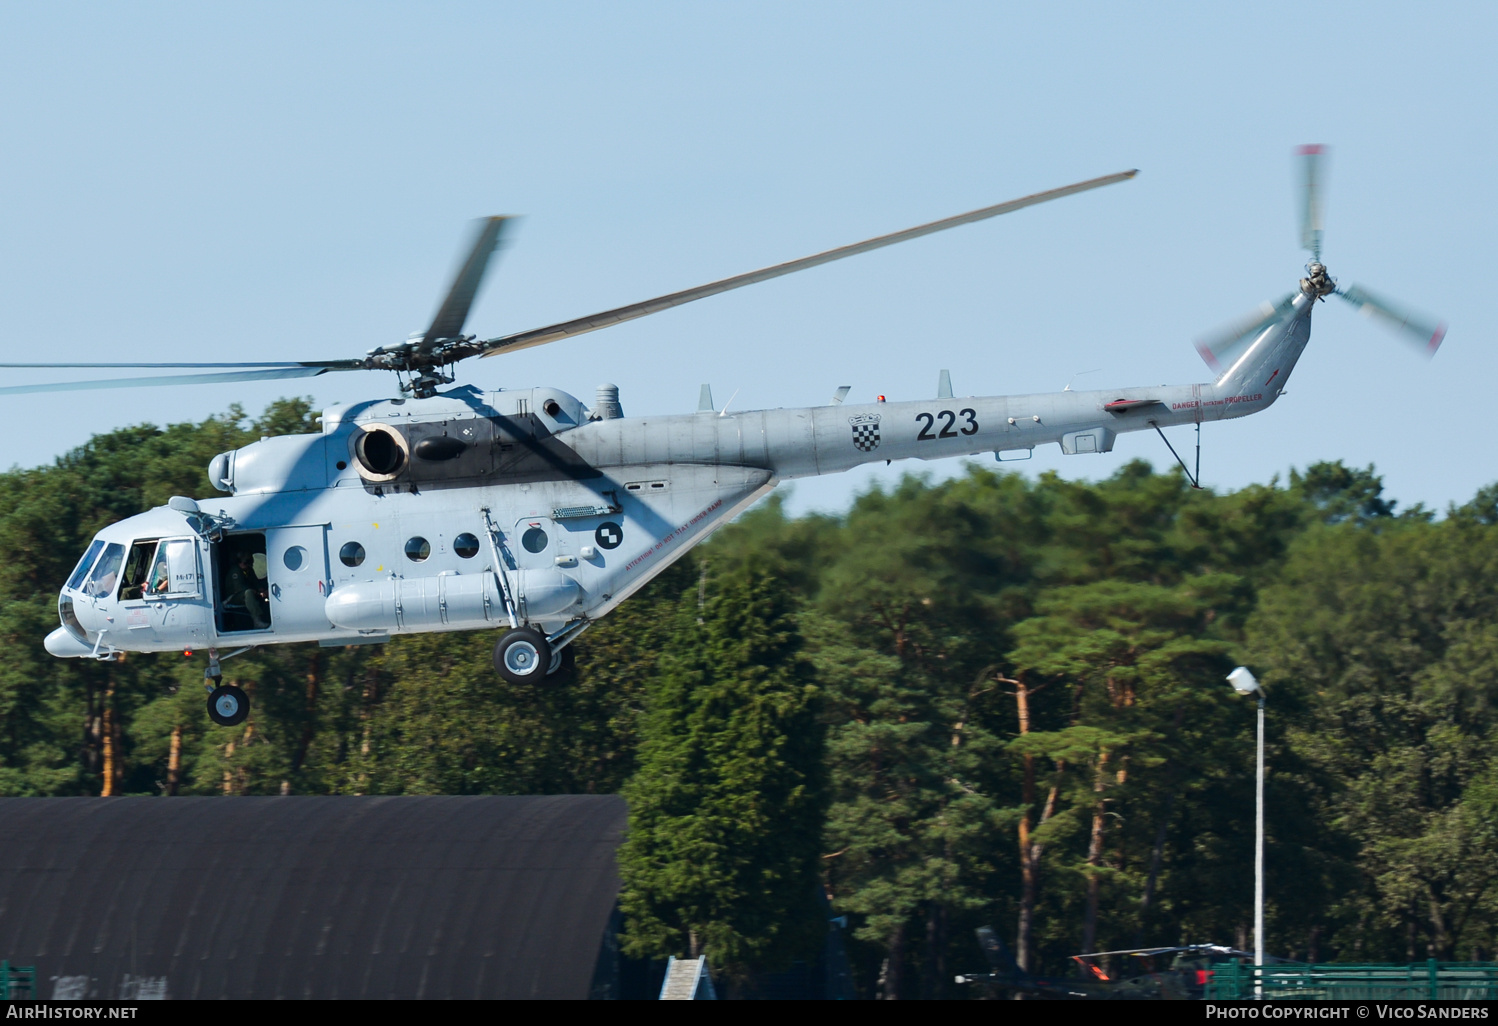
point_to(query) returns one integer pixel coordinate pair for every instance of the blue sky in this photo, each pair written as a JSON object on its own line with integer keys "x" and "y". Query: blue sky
{"x": 293, "y": 181}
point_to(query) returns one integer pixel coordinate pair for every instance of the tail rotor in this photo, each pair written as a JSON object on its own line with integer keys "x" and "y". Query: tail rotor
{"x": 1222, "y": 348}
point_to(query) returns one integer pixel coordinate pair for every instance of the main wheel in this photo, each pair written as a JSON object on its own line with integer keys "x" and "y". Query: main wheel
{"x": 562, "y": 662}
{"x": 522, "y": 656}
{"x": 228, "y": 705}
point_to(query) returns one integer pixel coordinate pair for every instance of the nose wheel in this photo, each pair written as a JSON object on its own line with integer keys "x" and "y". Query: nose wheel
{"x": 228, "y": 706}
{"x": 522, "y": 656}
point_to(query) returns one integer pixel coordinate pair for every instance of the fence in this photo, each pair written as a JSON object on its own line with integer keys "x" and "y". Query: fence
{"x": 1423, "y": 981}
{"x": 17, "y": 982}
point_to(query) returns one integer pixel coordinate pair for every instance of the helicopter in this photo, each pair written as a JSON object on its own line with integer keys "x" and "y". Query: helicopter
{"x": 528, "y": 511}
{"x": 1177, "y": 973}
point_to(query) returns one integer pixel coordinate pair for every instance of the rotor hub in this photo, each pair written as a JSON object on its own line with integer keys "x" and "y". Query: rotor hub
{"x": 1317, "y": 283}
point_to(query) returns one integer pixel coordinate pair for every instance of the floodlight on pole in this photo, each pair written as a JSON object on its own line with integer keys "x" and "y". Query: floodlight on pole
{"x": 1245, "y": 683}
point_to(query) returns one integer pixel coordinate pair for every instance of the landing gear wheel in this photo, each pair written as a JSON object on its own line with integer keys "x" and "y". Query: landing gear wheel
{"x": 522, "y": 656}
{"x": 562, "y": 662}
{"x": 228, "y": 705}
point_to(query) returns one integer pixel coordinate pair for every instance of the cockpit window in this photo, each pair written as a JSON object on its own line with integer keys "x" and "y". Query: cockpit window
{"x": 87, "y": 561}
{"x": 175, "y": 570}
{"x": 106, "y": 573}
{"x": 167, "y": 569}
{"x": 136, "y": 568}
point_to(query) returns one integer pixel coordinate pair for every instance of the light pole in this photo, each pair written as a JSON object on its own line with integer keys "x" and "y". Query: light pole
{"x": 1245, "y": 684}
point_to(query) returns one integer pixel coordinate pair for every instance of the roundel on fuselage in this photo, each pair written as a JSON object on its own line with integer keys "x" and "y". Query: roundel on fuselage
{"x": 608, "y": 535}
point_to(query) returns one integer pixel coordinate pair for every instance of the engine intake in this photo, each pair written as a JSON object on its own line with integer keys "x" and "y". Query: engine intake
{"x": 380, "y": 452}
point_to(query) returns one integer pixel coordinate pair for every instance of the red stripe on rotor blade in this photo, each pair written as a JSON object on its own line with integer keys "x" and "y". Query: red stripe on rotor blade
{"x": 1435, "y": 341}
{"x": 1309, "y": 150}
{"x": 1206, "y": 354}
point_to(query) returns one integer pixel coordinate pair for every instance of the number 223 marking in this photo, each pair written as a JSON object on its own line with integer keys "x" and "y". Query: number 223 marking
{"x": 949, "y": 420}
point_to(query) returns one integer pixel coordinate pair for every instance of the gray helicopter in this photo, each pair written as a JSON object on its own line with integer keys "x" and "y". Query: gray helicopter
{"x": 527, "y": 510}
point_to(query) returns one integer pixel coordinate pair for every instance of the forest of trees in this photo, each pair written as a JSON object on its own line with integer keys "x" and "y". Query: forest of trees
{"x": 995, "y": 699}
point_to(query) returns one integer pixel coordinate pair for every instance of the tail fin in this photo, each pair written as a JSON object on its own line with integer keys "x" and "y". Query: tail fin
{"x": 999, "y": 958}
{"x": 1262, "y": 369}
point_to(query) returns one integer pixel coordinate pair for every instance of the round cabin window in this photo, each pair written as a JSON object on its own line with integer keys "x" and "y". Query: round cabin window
{"x": 295, "y": 557}
{"x": 466, "y": 545}
{"x": 352, "y": 554}
{"x": 418, "y": 549}
{"x": 534, "y": 540}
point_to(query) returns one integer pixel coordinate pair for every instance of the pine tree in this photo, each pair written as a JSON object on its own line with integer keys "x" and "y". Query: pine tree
{"x": 726, "y": 807}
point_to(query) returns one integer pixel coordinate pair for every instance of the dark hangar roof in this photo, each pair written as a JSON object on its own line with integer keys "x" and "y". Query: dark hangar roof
{"x": 348, "y": 897}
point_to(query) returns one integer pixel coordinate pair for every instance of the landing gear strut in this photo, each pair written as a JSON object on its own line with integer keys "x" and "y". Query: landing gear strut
{"x": 228, "y": 705}
{"x": 562, "y": 662}
{"x": 522, "y": 656}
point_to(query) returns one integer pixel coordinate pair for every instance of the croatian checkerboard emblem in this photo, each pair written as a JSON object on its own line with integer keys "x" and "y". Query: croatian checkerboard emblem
{"x": 865, "y": 432}
{"x": 608, "y": 535}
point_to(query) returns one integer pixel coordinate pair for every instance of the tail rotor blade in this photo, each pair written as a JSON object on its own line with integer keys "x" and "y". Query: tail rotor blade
{"x": 1311, "y": 169}
{"x": 1425, "y": 333}
{"x": 1224, "y": 346}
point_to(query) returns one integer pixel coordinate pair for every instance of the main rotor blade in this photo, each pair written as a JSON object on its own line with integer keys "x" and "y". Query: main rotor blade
{"x": 1221, "y": 348}
{"x": 582, "y": 325}
{"x": 1418, "y": 329}
{"x": 326, "y": 364}
{"x": 268, "y": 374}
{"x": 448, "y": 323}
{"x": 1310, "y": 208}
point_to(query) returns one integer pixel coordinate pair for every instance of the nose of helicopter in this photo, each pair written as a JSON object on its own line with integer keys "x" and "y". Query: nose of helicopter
{"x": 64, "y": 645}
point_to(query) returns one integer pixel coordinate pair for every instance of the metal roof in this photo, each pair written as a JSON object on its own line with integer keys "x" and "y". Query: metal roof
{"x": 302, "y": 897}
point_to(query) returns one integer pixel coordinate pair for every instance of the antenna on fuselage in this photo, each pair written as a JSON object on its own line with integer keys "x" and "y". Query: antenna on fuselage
{"x": 1079, "y": 374}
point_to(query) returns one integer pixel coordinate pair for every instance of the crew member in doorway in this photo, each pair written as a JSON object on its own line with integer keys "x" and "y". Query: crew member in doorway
{"x": 243, "y": 584}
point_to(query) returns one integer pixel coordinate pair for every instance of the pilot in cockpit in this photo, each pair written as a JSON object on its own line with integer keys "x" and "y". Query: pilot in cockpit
{"x": 161, "y": 579}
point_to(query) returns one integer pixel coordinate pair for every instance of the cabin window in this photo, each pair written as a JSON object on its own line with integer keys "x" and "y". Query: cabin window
{"x": 295, "y": 558}
{"x": 534, "y": 540}
{"x": 352, "y": 554}
{"x": 466, "y": 545}
{"x": 418, "y": 549}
